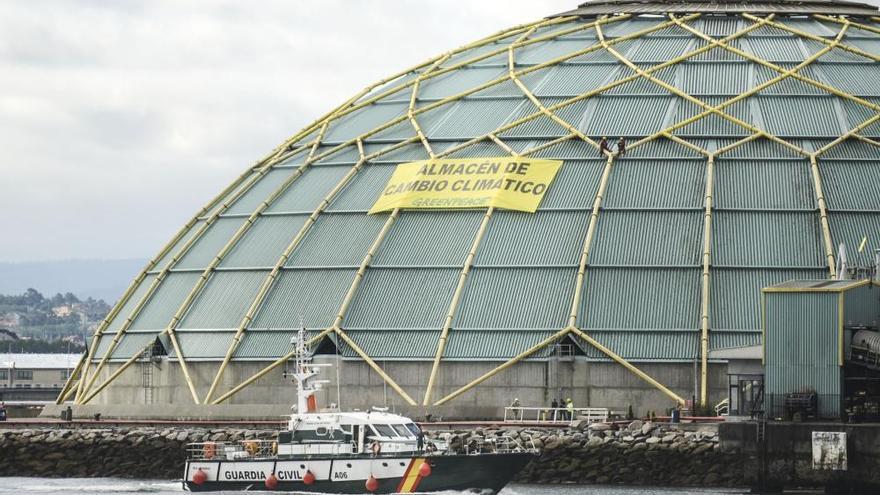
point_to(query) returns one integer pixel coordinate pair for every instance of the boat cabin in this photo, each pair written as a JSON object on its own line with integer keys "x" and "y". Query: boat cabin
{"x": 373, "y": 432}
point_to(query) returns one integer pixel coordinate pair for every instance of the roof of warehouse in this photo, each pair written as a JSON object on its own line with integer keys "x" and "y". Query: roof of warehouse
{"x": 38, "y": 361}
{"x": 298, "y": 232}
{"x": 834, "y": 7}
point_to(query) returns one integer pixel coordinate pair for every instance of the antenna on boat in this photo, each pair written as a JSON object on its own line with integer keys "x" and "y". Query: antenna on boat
{"x": 303, "y": 371}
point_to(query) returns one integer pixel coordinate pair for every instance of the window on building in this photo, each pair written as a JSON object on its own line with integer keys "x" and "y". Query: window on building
{"x": 65, "y": 374}
{"x": 4, "y": 375}
{"x": 24, "y": 375}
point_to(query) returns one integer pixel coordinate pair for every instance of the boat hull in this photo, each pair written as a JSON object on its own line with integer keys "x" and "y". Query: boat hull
{"x": 394, "y": 474}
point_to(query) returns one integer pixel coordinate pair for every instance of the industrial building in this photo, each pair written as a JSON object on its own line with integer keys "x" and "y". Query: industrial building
{"x": 29, "y": 378}
{"x": 752, "y": 139}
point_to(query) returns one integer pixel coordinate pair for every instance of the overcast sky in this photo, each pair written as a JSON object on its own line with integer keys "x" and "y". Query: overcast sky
{"x": 118, "y": 120}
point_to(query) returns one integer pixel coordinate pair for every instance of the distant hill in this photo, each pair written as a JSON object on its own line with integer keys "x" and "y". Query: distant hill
{"x": 99, "y": 279}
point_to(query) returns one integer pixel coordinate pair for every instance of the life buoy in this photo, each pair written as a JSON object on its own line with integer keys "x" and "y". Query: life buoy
{"x": 274, "y": 448}
{"x": 251, "y": 447}
{"x": 376, "y": 448}
{"x": 209, "y": 450}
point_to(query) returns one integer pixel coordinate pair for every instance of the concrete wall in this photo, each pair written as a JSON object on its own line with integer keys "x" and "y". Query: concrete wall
{"x": 534, "y": 383}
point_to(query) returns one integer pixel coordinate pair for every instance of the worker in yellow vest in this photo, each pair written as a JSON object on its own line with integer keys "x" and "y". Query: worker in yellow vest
{"x": 569, "y": 408}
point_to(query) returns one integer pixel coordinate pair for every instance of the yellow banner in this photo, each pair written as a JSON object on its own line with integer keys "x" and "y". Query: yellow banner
{"x": 510, "y": 183}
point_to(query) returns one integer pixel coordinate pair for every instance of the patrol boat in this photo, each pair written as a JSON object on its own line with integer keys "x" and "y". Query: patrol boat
{"x": 350, "y": 452}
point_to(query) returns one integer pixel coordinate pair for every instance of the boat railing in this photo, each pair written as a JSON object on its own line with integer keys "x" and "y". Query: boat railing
{"x": 555, "y": 415}
{"x": 244, "y": 449}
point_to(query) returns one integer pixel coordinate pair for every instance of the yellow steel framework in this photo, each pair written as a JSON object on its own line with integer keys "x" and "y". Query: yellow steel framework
{"x": 309, "y": 140}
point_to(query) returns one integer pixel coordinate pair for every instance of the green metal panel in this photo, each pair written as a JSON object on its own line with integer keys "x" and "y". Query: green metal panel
{"x": 801, "y": 347}
{"x": 224, "y": 300}
{"x": 835, "y": 55}
{"x": 861, "y": 307}
{"x": 644, "y": 346}
{"x": 800, "y": 116}
{"x": 627, "y": 116}
{"x": 402, "y": 298}
{"x": 210, "y": 243}
{"x": 407, "y": 153}
{"x": 264, "y": 242}
{"x": 363, "y": 120}
{"x": 479, "y": 150}
{"x": 664, "y": 148}
{"x": 634, "y": 238}
{"x": 658, "y": 50}
{"x": 763, "y": 184}
{"x": 850, "y": 185}
{"x": 714, "y": 78}
{"x": 175, "y": 249}
{"x": 777, "y": 239}
{"x": 381, "y": 344}
{"x": 307, "y": 192}
{"x": 574, "y": 186}
{"x": 227, "y": 199}
{"x": 123, "y": 314}
{"x": 574, "y": 149}
{"x": 509, "y": 89}
{"x": 249, "y": 202}
{"x": 429, "y": 238}
{"x": 634, "y": 25}
{"x": 573, "y": 80}
{"x": 457, "y": 81}
{"x": 727, "y": 340}
{"x": 760, "y": 148}
{"x": 157, "y": 313}
{"x": 811, "y": 26}
{"x": 643, "y": 86}
{"x": 132, "y": 344}
{"x": 735, "y": 294}
{"x": 265, "y": 344}
{"x": 718, "y": 27}
{"x": 774, "y": 49}
{"x": 337, "y": 240}
{"x": 314, "y": 295}
{"x": 712, "y": 125}
{"x": 544, "y": 127}
{"x": 471, "y": 117}
{"x": 857, "y": 114}
{"x": 849, "y": 149}
{"x": 632, "y": 298}
{"x": 203, "y": 345}
{"x": 516, "y": 293}
{"x": 871, "y": 45}
{"x": 656, "y": 184}
{"x": 789, "y": 85}
{"x": 547, "y": 50}
{"x": 554, "y": 238}
{"x": 493, "y": 345}
{"x": 717, "y": 53}
{"x": 405, "y": 130}
{"x": 858, "y": 79}
{"x": 850, "y": 228}
{"x": 347, "y": 155}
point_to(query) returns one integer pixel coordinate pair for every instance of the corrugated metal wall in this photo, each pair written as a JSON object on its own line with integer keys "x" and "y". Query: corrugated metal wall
{"x": 801, "y": 347}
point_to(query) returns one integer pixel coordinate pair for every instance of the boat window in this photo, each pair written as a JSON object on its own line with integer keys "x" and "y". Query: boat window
{"x": 284, "y": 437}
{"x": 414, "y": 429}
{"x": 401, "y": 430}
{"x": 385, "y": 430}
{"x": 321, "y": 431}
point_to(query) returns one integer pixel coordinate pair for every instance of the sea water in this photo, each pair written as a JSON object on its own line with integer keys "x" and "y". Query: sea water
{"x": 105, "y": 486}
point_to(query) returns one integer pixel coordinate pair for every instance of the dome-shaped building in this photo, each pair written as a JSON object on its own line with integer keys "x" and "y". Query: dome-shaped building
{"x": 752, "y": 133}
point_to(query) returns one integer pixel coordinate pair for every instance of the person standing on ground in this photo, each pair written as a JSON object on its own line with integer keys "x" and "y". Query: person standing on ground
{"x": 569, "y": 408}
{"x": 553, "y": 407}
{"x": 517, "y": 412}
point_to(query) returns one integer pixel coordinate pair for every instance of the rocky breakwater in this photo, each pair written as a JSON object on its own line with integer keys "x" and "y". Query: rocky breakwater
{"x": 157, "y": 453}
{"x": 640, "y": 453}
